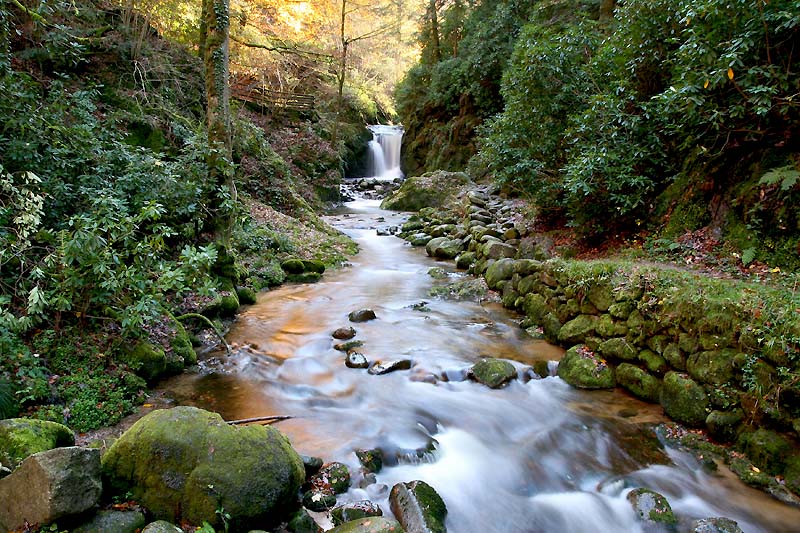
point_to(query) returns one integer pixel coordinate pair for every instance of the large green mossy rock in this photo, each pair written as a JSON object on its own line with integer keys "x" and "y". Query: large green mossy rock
{"x": 185, "y": 463}
{"x": 432, "y": 189}
{"x": 494, "y": 373}
{"x": 713, "y": 367}
{"x": 418, "y": 507}
{"x": 500, "y": 270}
{"x": 684, "y": 400}
{"x": 652, "y": 508}
{"x": 147, "y": 360}
{"x": 582, "y": 368}
{"x": 577, "y": 329}
{"x": 21, "y": 437}
{"x": 618, "y": 348}
{"x": 767, "y": 449}
{"x": 638, "y": 382}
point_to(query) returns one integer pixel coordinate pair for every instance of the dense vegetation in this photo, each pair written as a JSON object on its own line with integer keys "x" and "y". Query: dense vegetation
{"x": 668, "y": 116}
{"x": 108, "y": 208}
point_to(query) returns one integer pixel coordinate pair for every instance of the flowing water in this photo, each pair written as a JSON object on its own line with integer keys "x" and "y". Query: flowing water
{"x": 384, "y": 152}
{"x": 535, "y": 456}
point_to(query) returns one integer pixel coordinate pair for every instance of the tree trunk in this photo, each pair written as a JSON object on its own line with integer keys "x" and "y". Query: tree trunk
{"x": 607, "y": 9}
{"x": 218, "y": 111}
{"x": 433, "y": 17}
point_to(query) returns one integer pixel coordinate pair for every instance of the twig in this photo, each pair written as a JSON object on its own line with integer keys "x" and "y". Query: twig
{"x": 264, "y": 419}
{"x": 210, "y": 324}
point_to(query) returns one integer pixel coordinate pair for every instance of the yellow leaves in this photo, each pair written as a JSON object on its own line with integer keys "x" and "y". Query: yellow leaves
{"x": 730, "y": 73}
{"x": 706, "y": 84}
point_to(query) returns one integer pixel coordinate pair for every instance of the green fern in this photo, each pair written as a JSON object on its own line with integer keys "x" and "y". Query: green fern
{"x": 787, "y": 176}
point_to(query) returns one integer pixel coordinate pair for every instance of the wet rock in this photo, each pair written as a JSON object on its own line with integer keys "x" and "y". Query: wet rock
{"x": 170, "y": 458}
{"x": 319, "y": 499}
{"x": 494, "y": 373}
{"x": 384, "y": 367}
{"x": 684, "y": 400}
{"x": 344, "y": 334}
{"x": 305, "y": 277}
{"x": 713, "y": 367}
{"x": 348, "y": 346}
{"x": 362, "y": 315}
{"x": 116, "y": 521}
{"x": 22, "y": 437}
{"x": 335, "y": 475}
{"x": 418, "y": 507}
{"x": 419, "y": 239}
{"x": 374, "y": 524}
{"x": 582, "y": 368}
{"x": 311, "y": 465}
{"x": 371, "y": 460}
{"x": 444, "y": 248}
{"x": 652, "y": 507}
{"x": 653, "y": 362}
{"x": 367, "y": 480}
{"x": 638, "y": 382}
{"x": 465, "y": 260}
{"x": 146, "y": 359}
{"x": 437, "y": 273}
{"x": 432, "y": 189}
{"x": 302, "y": 522}
{"x": 50, "y": 485}
{"x": 161, "y": 526}
{"x": 499, "y": 250}
{"x": 715, "y": 525}
{"x": 246, "y": 295}
{"x": 293, "y": 266}
{"x": 354, "y": 511}
{"x": 356, "y": 360}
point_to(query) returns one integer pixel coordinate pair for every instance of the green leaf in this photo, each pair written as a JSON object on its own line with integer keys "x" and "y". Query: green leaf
{"x": 748, "y": 255}
{"x": 787, "y": 176}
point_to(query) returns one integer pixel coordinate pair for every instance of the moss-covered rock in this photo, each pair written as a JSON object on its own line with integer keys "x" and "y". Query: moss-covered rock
{"x": 501, "y": 270}
{"x": 147, "y": 360}
{"x": 181, "y": 345}
{"x": 377, "y": 524}
{"x": 354, "y": 511}
{"x": 313, "y": 265}
{"x": 116, "y": 521}
{"x": 535, "y": 307}
{"x": 638, "y": 382}
{"x": 582, "y": 368}
{"x": 767, "y": 449}
{"x": 494, "y": 373}
{"x": 302, "y": 522}
{"x": 185, "y": 463}
{"x": 715, "y": 525}
{"x": 618, "y": 348}
{"x": 577, "y": 329}
{"x": 601, "y": 295}
{"x": 651, "y": 507}
{"x": 551, "y": 325}
{"x": 293, "y": 265}
{"x": 653, "y": 362}
{"x": 418, "y": 507}
{"x": 674, "y": 356}
{"x": 21, "y": 437}
{"x": 465, "y": 260}
{"x": 432, "y": 189}
{"x": 684, "y": 400}
{"x": 161, "y": 526}
{"x": 246, "y": 295}
{"x": 714, "y": 367}
{"x": 371, "y": 460}
{"x": 723, "y": 426}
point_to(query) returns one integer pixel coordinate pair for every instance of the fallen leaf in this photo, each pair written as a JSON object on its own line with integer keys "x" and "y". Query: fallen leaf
{"x": 730, "y": 73}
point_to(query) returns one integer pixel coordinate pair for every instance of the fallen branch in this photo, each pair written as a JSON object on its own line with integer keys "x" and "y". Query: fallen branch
{"x": 210, "y": 324}
{"x": 262, "y": 419}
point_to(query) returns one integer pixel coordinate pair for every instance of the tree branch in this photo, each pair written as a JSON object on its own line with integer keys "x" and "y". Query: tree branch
{"x": 279, "y": 49}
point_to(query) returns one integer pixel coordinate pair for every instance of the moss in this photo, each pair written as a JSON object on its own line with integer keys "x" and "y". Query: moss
{"x": 433, "y": 189}
{"x": 494, "y": 373}
{"x": 419, "y": 504}
{"x": 723, "y": 426}
{"x": 638, "y": 382}
{"x": 21, "y": 437}
{"x": 293, "y": 266}
{"x": 653, "y": 362}
{"x": 767, "y": 449}
{"x": 583, "y": 369}
{"x": 369, "y": 525}
{"x": 313, "y": 265}
{"x": 147, "y": 360}
{"x": 684, "y": 400}
{"x": 577, "y": 329}
{"x": 652, "y": 507}
{"x": 246, "y": 295}
{"x": 185, "y": 463}
{"x": 618, "y": 348}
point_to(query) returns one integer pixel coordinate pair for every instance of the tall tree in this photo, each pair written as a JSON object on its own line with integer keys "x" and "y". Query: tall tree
{"x": 215, "y": 54}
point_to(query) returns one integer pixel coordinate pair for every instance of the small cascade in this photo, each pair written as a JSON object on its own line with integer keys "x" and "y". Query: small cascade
{"x": 389, "y": 139}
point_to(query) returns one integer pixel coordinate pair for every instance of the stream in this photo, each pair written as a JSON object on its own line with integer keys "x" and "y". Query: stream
{"x": 535, "y": 456}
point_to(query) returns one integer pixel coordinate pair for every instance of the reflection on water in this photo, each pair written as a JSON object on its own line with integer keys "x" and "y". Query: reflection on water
{"x": 534, "y": 456}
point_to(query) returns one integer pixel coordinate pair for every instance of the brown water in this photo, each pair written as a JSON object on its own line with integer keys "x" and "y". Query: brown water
{"x": 536, "y": 456}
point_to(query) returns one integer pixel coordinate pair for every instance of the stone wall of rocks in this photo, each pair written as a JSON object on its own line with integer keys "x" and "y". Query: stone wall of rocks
{"x": 617, "y": 332}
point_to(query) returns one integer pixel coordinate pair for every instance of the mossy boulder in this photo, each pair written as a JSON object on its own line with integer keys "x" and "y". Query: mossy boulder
{"x": 147, "y": 360}
{"x": 180, "y": 346}
{"x": 432, "y": 189}
{"x": 302, "y": 522}
{"x": 767, "y": 449}
{"x": 313, "y": 265}
{"x": 684, "y": 400}
{"x": 582, "y": 368}
{"x": 638, "y": 382}
{"x": 712, "y": 367}
{"x": 653, "y": 362}
{"x": 494, "y": 373}
{"x": 418, "y": 507}
{"x": 21, "y": 437}
{"x": 161, "y": 526}
{"x": 715, "y": 525}
{"x": 354, "y": 511}
{"x": 577, "y": 329}
{"x": 723, "y": 426}
{"x": 501, "y": 270}
{"x": 465, "y": 260}
{"x": 374, "y": 524}
{"x": 293, "y": 265}
{"x": 601, "y": 295}
{"x": 618, "y": 348}
{"x": 246, "y": 295}
{"x": 535, "y": 307}
{"x": 185, "y": 463}
{"x": 651, "y": 507}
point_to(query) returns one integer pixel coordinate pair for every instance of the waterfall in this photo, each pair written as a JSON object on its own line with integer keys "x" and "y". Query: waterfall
{"x": 384, "y": 151}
